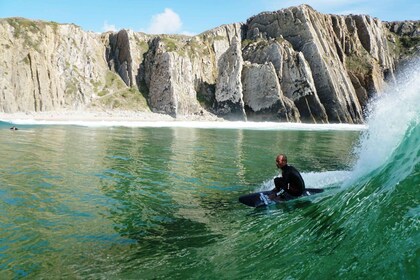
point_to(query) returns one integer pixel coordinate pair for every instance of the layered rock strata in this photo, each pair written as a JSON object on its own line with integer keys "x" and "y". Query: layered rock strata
{"x": 293, "y": 65}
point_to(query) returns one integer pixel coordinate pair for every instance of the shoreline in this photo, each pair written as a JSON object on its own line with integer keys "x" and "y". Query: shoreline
{"x": 124, "y": 116}
{"x": 150, "y": 119}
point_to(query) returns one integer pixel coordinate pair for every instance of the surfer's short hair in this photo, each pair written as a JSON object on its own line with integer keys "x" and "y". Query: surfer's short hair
{"x": 284, "y": 156}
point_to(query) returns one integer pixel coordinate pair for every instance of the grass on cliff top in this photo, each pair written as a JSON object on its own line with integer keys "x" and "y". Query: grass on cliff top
{"x": 410, "y": 42}
{"x": 23, "y": 25}
{"x": 24, "y": 29}
{"x": 403, "y": 45}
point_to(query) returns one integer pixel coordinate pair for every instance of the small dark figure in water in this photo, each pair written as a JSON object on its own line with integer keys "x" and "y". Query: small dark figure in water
{"x": 291, "y": 182}
{"x": 13, "y": 128}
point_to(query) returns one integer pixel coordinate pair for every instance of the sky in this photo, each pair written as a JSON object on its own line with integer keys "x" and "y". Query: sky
{"x": 185, "y": 16}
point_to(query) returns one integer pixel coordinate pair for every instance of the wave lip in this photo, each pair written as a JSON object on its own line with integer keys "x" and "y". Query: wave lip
{"x": 391, "y": 117}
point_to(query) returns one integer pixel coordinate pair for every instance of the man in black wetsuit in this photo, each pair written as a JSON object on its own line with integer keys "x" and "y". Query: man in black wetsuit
{"x": 291, "y": 181}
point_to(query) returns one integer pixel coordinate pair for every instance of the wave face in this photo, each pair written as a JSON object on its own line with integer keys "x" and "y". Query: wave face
{"x": 371, "y": 227}
{"x": 380, "y": 205}
{"x": 392, "y": 120}
{"x": 368, "y": 228}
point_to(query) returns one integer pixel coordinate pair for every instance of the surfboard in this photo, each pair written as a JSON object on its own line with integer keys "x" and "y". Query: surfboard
{"x": 259, "y": 199}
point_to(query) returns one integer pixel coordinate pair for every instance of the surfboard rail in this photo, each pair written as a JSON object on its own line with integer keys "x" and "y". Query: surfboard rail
{"x": 259, "y": 199}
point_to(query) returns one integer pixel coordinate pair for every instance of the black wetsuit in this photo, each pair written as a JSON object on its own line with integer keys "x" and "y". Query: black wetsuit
{"x": 291, "y": 181}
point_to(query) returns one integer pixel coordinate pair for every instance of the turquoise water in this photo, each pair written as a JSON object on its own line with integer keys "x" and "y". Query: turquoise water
{"x": 151, "y": 203}
{"x": 144, "y": 202}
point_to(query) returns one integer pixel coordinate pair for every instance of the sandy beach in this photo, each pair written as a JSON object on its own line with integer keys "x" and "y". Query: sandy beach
{"x": 149, "y": 119}
{"x": 102, "y": 116}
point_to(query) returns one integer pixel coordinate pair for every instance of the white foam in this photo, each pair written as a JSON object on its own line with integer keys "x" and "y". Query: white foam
{"x": 194, "y": 124}
{"x": 317, "y": 180}
{"x": 390, "y": 117}
{"x": 325, "y": 179}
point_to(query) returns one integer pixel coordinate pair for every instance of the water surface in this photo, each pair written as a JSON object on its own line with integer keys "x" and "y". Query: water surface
{"x": 145, "y": 202}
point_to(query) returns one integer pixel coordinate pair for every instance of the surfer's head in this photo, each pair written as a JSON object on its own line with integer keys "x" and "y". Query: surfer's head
{"x": 281, "y": 161}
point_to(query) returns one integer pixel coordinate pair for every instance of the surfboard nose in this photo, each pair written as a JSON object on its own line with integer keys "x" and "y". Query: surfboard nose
{"x": 248, "y": 199}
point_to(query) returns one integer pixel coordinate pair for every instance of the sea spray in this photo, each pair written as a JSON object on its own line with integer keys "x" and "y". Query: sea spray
{"x": 320, "y": 180}
{"x": 389, "y": 118}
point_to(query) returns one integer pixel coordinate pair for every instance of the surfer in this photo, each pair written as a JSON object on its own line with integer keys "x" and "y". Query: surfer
{"x": 291, "y": 182}
{"x": 13, "y": 128}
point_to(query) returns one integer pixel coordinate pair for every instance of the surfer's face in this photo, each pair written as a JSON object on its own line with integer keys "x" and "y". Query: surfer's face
{"x": 281, "y": 161}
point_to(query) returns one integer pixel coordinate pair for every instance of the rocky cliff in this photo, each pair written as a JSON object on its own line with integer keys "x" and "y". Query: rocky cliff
{"x": 292, "y": 65}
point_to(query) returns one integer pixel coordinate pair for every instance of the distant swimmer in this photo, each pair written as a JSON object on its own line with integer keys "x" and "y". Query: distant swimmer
{"x": 13, "y": 128}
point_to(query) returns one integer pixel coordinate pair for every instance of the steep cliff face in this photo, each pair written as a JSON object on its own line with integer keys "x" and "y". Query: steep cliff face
{"x": 297, "y": 97}
{"x": 330, "y": 44}
{"x": 46, "y": 66}
{"x": 49, "y": 66}
{"x": 179, "y": 74}
{"x": 293, "y": 65}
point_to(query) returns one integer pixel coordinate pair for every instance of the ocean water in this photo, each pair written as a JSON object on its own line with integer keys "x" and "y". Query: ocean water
{"x": 141, "y": 201}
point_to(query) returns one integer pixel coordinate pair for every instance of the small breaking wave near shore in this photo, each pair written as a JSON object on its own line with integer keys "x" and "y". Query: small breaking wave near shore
{"x": 130, "y": 119}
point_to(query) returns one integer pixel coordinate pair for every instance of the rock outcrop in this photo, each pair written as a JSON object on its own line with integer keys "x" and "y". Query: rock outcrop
{"x": 326, "y": 42}
{"x": 293, "y": 65}
{"x": 297, "y": 94}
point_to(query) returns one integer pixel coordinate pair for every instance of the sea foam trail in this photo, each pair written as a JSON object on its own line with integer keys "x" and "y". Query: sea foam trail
{"x": 194, "y": 124}
{"x": 318, "y": 180}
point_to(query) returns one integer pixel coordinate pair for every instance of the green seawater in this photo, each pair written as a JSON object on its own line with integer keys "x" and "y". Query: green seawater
{"x": 152, "y": 203}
